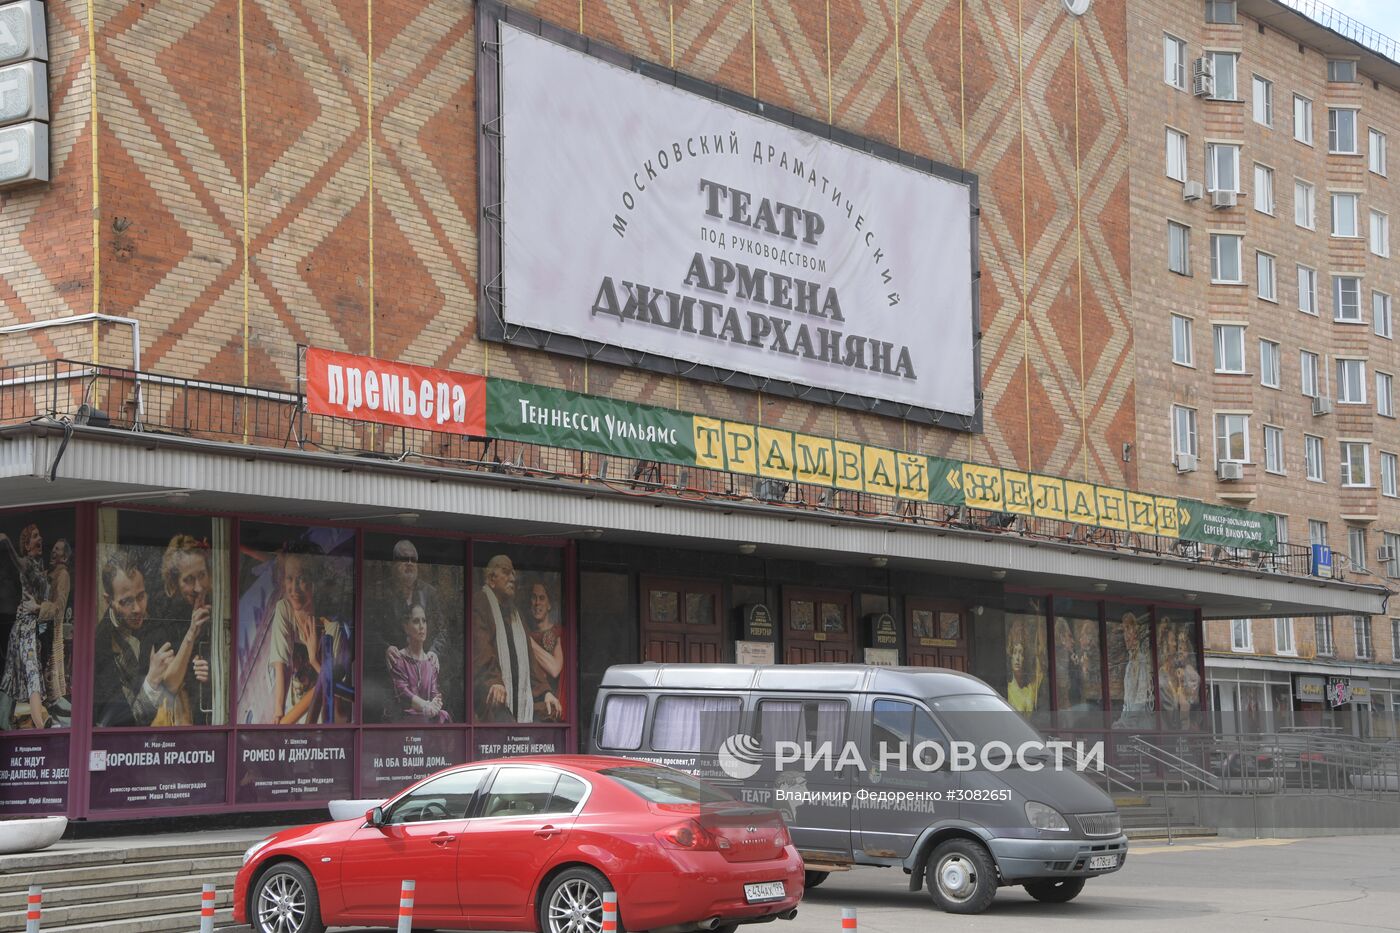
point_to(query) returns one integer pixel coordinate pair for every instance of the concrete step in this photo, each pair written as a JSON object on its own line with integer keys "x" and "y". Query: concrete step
{"x": 201, "y": 868}
{"x": 58, "y": 915}
{"x": 1142, "y": 833}
{"x": 1122, "y": 801}
{"x": 107, "y": 852}
{"x": 184, "y": 921}
{"x": 129, "y": 887}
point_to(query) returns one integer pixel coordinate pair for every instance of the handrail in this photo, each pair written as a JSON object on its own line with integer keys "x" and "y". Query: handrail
{"x": 1186, "y": 768}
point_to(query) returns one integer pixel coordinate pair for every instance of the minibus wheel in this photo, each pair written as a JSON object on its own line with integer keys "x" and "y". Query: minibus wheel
{"x": 1055, "y": 890}
{"x": 961, "y": 877}
{"x": 815, "y": 878}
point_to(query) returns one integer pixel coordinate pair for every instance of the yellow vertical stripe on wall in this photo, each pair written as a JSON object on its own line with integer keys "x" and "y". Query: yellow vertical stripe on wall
{"x": 1079, "y": 264}
{"x": 830, "y": 102}
{"x": 369, "y": 116}
{"x": 753, "y": 43}
{"x": 96, "y": 182}
{"x": 671, "y": 8}
{"x": 898, "y": 87}
{"x": 1025, "y": 265}
{"x": 243, "y": 183}
{"x": 962, "y": 129}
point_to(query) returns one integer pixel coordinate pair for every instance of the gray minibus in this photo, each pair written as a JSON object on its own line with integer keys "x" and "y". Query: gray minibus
{"x": 922, "y": 768}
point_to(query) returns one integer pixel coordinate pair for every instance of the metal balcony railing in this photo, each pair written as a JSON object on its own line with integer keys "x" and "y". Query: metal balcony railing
{"x": 1344, "y": 25}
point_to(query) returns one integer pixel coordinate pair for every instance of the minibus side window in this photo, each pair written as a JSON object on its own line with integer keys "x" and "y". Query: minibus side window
{"x": 623, "y": 716}
{"x": 893, "y": 723}
{"x": 693, "y": 723}
{"x": 813, "y": 723}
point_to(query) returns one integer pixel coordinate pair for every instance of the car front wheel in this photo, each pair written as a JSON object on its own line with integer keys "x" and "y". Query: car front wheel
{"x": 285, "y": 901}
{"x": 573, "y": 902}
{"x": 961, "y": 877}
{"x": 1055, "y": 890}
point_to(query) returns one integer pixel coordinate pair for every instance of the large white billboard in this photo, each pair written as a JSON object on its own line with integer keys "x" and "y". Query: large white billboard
{"x": 636, "y": 214}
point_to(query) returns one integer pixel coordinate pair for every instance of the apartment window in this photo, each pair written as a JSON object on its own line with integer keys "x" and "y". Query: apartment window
{"x": 1341, "y": 71}
{"x": 1391, "y": 542}
{"x": 1302, "y": 120}
{"x": 1283, "y": 637}
{"x": 1376, "y": 152}
{"x": 1346, "y": 298}
{"x": 1304, "y": 205}
{"x": 1323, "y": 635}
{"x": 1351, "y": 382}
{"x": 1224, "y": 62}
{"x": 1241, "y": 635}
{"x": 1380, "y": 313}
{"x": 1231, "y": 438}
{"x": 1344, "y": 215}
{"x": 1317, "y": 532}
{"x": 1176, "y": 154}
{"x": 1222, "y": 167}
{"x": 1229, "y": 348}
{"x": 1362, "y": 626}
{"x": 1174, "y": 62}
{"x": 1380, "y": 233}
{"x": 1264, "y": 265}
{"x": 1225, "y": 266}
{"x": 1178, "y": 248}
{"x": 1269, "y": 364}
{"x": 1390, "y": 475}
{"x": 1307, "y": 290}
{"x": 1273, "y": 449}
{"x": 1385, "y": 394}
{"x": 1307, "y": 363}
{"x": 1356, "y": 547}
{"x": 1220, "y": 11}
{"x": 1282, "y": 521}
{"x": 1341, "y": 131}
{"x": 1356, "y": 465}
{"x": 1312, "y": 457}
{"x": 1263, "y": 101}
{"x": 1263, "y": 189}
{"x": 1182, "y": 350}
{"x": 1184, "y": 440}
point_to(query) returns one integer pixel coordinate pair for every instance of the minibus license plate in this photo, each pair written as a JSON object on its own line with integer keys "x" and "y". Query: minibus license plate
{"x": 1100, "y": 862}
{"x": 764, "y": 891}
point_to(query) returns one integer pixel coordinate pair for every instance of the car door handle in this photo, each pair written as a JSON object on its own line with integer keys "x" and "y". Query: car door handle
{"x": 442, "y": 839}
{"x": 547, "y": 831}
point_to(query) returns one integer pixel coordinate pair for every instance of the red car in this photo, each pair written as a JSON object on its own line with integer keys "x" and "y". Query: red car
{"x": 531, "y": 844}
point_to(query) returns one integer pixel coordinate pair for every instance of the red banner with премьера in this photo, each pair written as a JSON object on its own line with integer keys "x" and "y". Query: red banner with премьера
{"x": 344, "y": 385}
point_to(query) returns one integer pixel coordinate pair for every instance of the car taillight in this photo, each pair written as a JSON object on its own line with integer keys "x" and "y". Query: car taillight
{"x": 781, "y": 838}
{"x": 688, "y": 835}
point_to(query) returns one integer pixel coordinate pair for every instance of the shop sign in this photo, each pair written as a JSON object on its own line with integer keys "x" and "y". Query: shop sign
{"x": 758, "y": 623}
{"x": 755, "y": 652}
{"x": 1321, "y": 561}
{"x": 883, "y": 632}
{"x": 294, "y": 766}
{"x": 882, "y": 657}
{"x": 166, "y": 769}
{"x": 1339, "y": 691}
{"x": 390, "y": 759}
{"x": 364, "y": 388}
{"x": 497, "y": 744}
{"x": 710, "y": 235}
{"x": 33, "y": 774}
{"x": 1310, "y": 689}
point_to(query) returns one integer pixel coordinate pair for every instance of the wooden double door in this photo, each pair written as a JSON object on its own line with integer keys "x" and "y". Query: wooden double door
{"x": 818, "y": 625}
{"x": 681, "y": 620}
{"x": 935, "y": 633}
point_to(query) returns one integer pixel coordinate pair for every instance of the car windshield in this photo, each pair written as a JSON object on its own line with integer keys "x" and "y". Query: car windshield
{"x": 980, "y": 718}
{"x": 662, "y": 785}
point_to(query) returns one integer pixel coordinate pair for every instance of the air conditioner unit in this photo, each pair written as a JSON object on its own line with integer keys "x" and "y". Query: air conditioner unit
{"x": 1385, "y": 555}
{"x": 1230, "y": 471}
{"x": 1221, "y": 198}
{"x": 1185, "y": 463}
{"x": 1202, "y": 86}
{"x": 1203, "y": 67}
{"x": 1322, "y": 405}
{"x": 1193, "y": 191}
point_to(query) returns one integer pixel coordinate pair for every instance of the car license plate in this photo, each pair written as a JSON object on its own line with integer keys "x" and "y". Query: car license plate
{"x": 764, "y": 891}
{"x": 1100, "y": 862}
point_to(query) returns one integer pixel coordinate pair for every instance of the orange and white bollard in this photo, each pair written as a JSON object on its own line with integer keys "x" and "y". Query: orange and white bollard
{"x": 848, "y": 920}
{"x": 35, "y": 907}
{"x": 609, "y": 912}
{"x": 206, "y": 908}
{"x": 406, "y": 907}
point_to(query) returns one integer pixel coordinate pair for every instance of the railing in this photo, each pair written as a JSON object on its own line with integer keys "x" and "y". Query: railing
{"x": 1352, "y": 29}
{"x": 84, "y": 393}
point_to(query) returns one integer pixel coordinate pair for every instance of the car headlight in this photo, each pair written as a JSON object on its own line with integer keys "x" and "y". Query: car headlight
{"x": 1042, "y": 817}
{"x": 254, "y": 848}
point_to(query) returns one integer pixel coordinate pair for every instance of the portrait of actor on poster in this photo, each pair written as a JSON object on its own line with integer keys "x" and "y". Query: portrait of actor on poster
{"x": 36, "y": 619}
{"x": 1027, "y": 660}
{"x": 413, "y": 622}
{"x": 161, "y": 648}
{"x": 517, "y": 634}
{"x": 1131, "y": 681}
{"x": 295, "y": 615}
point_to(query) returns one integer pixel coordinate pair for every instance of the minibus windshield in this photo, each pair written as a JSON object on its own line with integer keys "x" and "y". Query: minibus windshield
{"x": 980, "y": 718}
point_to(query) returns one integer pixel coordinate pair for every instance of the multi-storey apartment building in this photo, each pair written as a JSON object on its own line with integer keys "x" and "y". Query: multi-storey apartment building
{"x": 1264, "y": 289}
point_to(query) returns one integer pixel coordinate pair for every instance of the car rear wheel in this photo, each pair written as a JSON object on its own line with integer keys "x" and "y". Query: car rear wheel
{"x": 285, "y": 901}
{"x": 573, "y": 902}
{"x": 1055, "y": 890}
{"x": 961, "y": 878}
{"x": 815, "y": 878}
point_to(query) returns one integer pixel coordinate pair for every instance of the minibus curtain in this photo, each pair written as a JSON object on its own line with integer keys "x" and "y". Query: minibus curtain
{"x": 693, "y": 724}
{"x": 623, "y": 717}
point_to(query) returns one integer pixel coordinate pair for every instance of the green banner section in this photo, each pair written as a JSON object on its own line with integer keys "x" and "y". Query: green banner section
{"x": 518, "y": 411}
{"x": 1221, "y": 524}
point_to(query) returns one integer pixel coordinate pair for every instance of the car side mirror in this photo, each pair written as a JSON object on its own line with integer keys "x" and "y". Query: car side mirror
{"x": 375, "y": 817}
